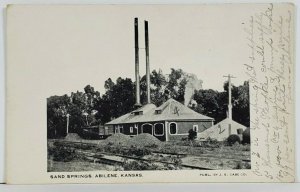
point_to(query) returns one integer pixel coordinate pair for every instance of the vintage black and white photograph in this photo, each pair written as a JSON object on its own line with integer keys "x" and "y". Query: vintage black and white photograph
{"x": 161, "y": 94}
{"x": 150, "y": 93}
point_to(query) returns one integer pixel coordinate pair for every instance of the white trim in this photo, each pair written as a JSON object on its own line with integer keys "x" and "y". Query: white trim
{"x": 166, "y": 129}
{"x": 118, "y": 127}
{"x": 180, "y": 134}
{"x": 142, "y": 127}
{"x": 197, "y": 128}
{"x": 176, "y": 128}
{"x": 136, "y": 126}
{"x": 131, "y": 129}
{"x": 162, "y": 131}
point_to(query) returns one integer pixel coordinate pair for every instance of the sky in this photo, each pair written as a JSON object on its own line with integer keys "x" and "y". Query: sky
{"x": 73, "y": 46}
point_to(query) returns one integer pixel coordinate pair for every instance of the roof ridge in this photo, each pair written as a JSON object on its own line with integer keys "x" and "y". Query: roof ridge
{"x": 182, "y": 112}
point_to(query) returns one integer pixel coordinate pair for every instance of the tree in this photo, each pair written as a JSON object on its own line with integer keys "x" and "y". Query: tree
{"x": 118, "y": 100}
{"x": 75, "y": 105}
{"x": 241, "y": 109}
{"x": 157, "y": 86}
{"x": 76, "y": 109}
{"x": 240, "y": 102}
{"x": 210, "y": 103}
{"x": 56, "y": 116}
{"x": 215, "y": 104}
{"x": 108, "y": 84}
{"x": 176, "y": 85}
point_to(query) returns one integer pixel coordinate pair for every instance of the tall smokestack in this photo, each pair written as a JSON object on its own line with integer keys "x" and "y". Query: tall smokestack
{"x": 147, "y": 62}
{"x": 137, "y": 75}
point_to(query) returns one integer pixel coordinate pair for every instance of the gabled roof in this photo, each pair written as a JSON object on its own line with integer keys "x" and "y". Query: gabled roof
{"x": 220, "y": 131}
{"x": 145, "y": 108}
{"x": 170, "y": 110}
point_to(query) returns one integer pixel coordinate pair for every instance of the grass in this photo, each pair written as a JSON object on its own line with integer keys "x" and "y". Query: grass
{"x": 77, "y": 166}
{"x": 216, "y": 155}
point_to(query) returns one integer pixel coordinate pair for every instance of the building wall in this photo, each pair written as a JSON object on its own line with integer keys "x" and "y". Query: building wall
{"x": 106, "y": 130}
{"x": 183, "y": 128}
{"x": 161, "y": 137}
{"x": 138, "y": 128}
{"x": 127, "y": 129}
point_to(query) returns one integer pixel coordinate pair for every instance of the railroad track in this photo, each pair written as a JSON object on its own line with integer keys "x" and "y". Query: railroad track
{"x": 157, "y": 152}
{"x": 92, "y": 156}
{"x": 107, "y": 159}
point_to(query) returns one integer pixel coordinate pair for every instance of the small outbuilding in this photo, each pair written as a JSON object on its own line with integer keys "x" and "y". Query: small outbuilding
{"x": 222, "y": 130}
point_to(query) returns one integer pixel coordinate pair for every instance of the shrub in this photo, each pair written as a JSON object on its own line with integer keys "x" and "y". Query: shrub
{"x": 114, "y": 149}
{"x": 137, "y": 151}
{"x": 212, "y": 143}
{"x": 138, "y": 165}
{"x": 128, "y": 151}
{"x": 192, "y": 135}
{"x": 184, "y": 139}
{"x": 241, "y": 165}
{"x": 176, "y": 160}
{"x": 246, "y": 147}
{"x": 247, "y": 166}
{"x": 63, "y": 154}
{"x": 236, "y": 146}
{"x": 183, "y": 142}
{"x": 232, "y": 139}
{"x": 238, "y": 165}
{"x": 246, "y": 136}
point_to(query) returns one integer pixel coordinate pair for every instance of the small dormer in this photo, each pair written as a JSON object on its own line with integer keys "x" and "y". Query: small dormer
{"x": 143, "y": 110}
{"x": 158, "y": 111}
{"x": 137, "y": 112}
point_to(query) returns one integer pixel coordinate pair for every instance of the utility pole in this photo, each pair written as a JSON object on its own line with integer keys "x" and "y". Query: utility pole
{"x": 229, "y": 96}
{"x": 68, "y": 120}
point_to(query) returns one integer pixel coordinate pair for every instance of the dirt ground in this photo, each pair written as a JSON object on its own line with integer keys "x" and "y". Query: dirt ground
{"x": 206, "y": 157}
{"x": 77, "y": 166}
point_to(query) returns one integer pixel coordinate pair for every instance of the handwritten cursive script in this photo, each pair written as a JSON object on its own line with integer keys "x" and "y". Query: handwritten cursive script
{"x": 269, "y": 38}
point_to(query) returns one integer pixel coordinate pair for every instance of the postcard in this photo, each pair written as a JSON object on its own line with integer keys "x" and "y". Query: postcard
{"x": 150, "y": 93}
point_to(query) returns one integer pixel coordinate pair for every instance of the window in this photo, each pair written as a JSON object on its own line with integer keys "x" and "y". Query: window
{"x": 159, "y": 129}
{"x": 120, "y": 128}
{"x": 147, "y": 128}
{"x": 173, "y": 128}
{"x": 158, "y": 111}
{"x": 195, "y": 128}
{"x": 131, "y": 130}
{"x": 138, "y": 113}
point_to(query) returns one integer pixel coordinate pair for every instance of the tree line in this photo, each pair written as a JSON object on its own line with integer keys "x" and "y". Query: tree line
{"x": 90, "y": 108}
